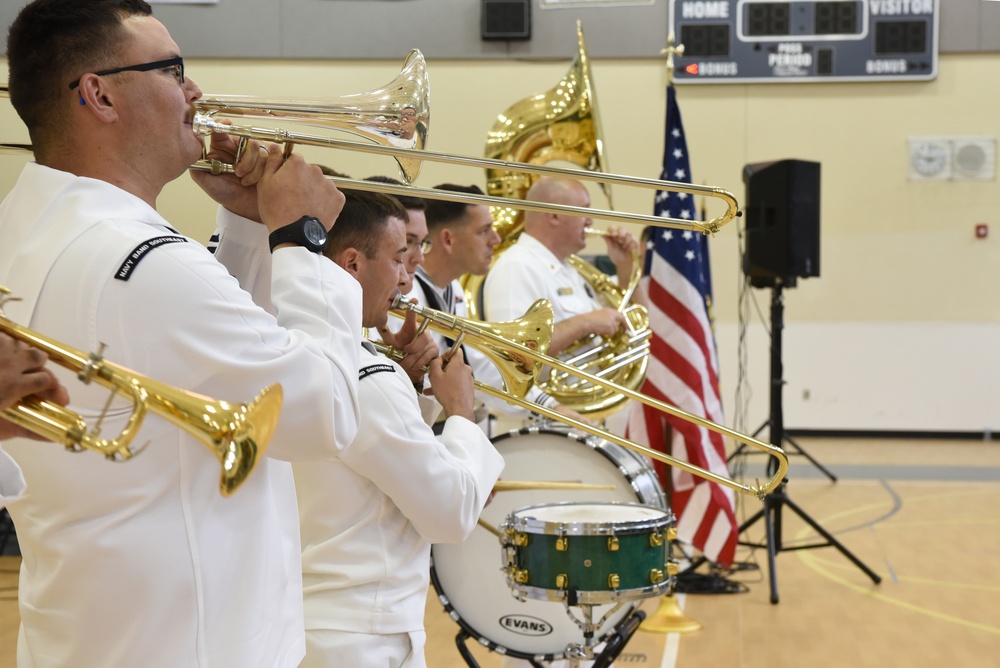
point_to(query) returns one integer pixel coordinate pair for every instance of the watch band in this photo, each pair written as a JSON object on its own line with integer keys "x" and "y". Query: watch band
{"x": 295, "y": 234}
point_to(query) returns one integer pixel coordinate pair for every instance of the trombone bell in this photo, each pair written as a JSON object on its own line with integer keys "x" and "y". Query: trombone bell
{"x": 237, "y": 434}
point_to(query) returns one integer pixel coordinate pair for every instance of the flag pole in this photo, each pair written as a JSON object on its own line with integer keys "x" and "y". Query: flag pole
{"x": 673, "y": 49}
{"x": 668, "y": 616}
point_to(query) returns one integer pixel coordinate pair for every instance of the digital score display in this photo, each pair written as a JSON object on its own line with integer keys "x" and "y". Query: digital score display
{"x": 745, "y": 41}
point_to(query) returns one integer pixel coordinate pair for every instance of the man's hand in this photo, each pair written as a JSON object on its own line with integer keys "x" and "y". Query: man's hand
{"x": 621, "y": 246}
{"x": 290, "y": 188}
{"x": 452, "y": 385}
{"x": 236, "y": 192}
{"x": 606, "y": 321}
{"x": 22, "y": 374}
{"x": 420, "y": 350}
{"x": 570, "y": 413}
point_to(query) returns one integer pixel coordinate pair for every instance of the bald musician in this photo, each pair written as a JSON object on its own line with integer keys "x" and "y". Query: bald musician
{"x": 535, "y": 268}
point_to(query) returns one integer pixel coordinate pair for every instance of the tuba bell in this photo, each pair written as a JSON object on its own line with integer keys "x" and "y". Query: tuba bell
{"x": 563, "y": 124}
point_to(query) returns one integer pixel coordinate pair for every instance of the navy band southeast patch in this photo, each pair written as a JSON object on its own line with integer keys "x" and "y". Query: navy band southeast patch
{"x": 132, "y": 261}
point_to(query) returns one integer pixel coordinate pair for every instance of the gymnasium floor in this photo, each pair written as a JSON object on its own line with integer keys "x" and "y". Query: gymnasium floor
{"x": 922, "y": 514}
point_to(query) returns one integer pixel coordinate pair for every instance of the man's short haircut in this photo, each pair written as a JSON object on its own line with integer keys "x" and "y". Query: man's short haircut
{"x": 441, "y": 213}
{"x": 410, "y": 202}
{"x": 53, "y": 42}
{"x": 362, "y": 222}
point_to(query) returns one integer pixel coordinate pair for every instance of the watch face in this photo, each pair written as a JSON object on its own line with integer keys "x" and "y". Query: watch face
{"x": 314, "y": 231}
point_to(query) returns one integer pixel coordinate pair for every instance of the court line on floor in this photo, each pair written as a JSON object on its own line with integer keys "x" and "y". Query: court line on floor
{"x": 816, "y": 565}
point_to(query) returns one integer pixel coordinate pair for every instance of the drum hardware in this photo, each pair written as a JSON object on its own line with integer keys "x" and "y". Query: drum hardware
{"x": 603, "y": 553}
{"x": 513, "y": 485}
{"x": 474, "y": 591}
{"x": 237, "y": 434}
{"x": 669, "y": 618}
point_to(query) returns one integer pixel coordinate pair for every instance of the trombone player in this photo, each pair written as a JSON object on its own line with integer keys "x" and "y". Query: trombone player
{"x": 177, "y": 575}
{"x": 368, "y": 518}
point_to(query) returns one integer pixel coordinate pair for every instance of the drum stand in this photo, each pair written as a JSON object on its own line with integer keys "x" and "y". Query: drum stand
{"x": 777, "y": 500}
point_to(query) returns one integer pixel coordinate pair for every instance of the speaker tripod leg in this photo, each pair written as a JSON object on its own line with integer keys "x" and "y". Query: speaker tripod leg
{"x": 833, "y": 541}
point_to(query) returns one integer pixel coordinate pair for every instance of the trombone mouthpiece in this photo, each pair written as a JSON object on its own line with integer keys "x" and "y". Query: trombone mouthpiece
{"x": 204, "y": 125}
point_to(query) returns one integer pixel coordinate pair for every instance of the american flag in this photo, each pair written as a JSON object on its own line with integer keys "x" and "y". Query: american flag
{"x": 683, "y": 366}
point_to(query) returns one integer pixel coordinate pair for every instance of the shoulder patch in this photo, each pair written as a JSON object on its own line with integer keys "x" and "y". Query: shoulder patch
{"x": 376, "y": 368}
{"x": 132, "y": 261}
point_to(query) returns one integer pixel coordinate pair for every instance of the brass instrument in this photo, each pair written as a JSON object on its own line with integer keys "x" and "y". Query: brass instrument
{"x": 512, "y": 357}
{"x": 376, "y": 115}
{"x": 564, "y": 124}
{"x": 621, "y": 358}
{"x": 237, "y": 434}
{"x": 561, "y": 124}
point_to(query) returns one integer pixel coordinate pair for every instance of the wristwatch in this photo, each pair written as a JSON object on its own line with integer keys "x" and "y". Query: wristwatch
{"x": 307, "y": 232}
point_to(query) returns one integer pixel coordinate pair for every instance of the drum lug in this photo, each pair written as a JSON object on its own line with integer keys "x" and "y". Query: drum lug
{"x": 562, "y": 581}
{"x": 672, "y": 568}
{"x": 614, "y": 581}
{"x": 612, "y": 543}
{"x": 671, "y": 533}
{"x": 655, "y": 539}
{"x": 655, "y": 575}
{"x": 521, "y": 575}
{"x": 520, "y": 539}
{"x": 562, "y": 544}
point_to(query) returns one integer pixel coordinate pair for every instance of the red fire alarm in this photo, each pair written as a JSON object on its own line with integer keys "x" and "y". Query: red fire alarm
{"x": 982, "y": 230}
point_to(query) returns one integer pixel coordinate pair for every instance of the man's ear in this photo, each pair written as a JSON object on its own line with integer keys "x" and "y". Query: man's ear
{"x": 446, "y": 238}
{"x": 98, "y": 97}
{"x": 350, "y": 261}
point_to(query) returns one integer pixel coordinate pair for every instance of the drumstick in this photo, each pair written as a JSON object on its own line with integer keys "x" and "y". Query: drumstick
{"x": 518, "y": 485}
{"x": 489, "y": 527}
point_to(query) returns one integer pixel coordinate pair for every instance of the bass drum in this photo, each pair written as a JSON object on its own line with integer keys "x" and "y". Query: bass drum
{"x": 468, "y": 577}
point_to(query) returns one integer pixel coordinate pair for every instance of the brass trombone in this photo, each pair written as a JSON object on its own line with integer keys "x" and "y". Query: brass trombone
{"x": 512, "y": 358}
{"x": 377, "y": 115}
{"x": 237, "y": 434}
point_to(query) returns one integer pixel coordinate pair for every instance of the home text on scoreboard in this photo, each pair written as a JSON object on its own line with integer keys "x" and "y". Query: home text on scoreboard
{"x": 745, "y": 41}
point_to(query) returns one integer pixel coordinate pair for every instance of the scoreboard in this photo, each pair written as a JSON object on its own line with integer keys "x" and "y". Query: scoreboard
{"x": 745, "y": 41}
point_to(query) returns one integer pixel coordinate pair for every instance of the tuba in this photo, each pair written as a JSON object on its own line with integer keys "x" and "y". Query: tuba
{"x": 563, "y": 124}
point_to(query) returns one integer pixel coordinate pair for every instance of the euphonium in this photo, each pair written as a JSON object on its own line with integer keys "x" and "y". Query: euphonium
{"x": 237, "y": 434}
{"x": 564, "y": 124}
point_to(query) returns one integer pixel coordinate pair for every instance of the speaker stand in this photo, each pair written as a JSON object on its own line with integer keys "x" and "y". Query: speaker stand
{"x": 786, "y": 440}
{"x": 776, "y": 501}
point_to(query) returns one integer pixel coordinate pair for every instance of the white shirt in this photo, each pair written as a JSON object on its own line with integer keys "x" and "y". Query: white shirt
{"x": 528, "y": 271}
{"x": 368, "y": 519}
{"x": 12, "y": 483}
{"x": 144, "y": 563}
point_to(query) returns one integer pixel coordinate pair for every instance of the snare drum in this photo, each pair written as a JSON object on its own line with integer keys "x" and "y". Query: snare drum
{"x": 587, "y": 553}
{"x": 469, "y": 577}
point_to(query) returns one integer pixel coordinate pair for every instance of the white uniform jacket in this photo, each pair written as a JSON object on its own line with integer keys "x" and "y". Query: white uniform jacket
{"x": 483, "y": 369}
{"x": 144, "y": 563}
{"x": 528, "y": 271}
{"x": 11, "y": 479}
{"x": 369, "y": 518}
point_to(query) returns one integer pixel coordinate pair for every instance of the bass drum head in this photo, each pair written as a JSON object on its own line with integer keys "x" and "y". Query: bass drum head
{"x": 468, "y": 577}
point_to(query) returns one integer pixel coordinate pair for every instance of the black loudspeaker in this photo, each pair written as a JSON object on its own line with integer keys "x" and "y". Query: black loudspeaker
{"x": 506, "y": 19}
{"x": 782, "y": 222}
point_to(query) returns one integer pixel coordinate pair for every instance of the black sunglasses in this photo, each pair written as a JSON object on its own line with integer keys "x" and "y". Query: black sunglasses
{"x": 176, "y": 63}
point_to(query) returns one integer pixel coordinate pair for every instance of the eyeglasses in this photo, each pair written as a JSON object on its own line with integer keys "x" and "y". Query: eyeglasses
{"x": 424, "y": 245}
{"x": 176, "y": 65}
